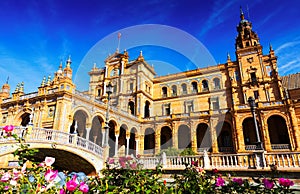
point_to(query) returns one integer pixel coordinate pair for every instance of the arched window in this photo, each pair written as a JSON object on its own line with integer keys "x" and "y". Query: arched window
{"x": 164, "y": 92}
{"x": 183, "y": 88}
{"x": 174, "y": 90}
{"x": 194, "y": 87}
{"x": 217, "y": 83}
{"x": 204, "y": 86}
{"x": 131, "y": 107}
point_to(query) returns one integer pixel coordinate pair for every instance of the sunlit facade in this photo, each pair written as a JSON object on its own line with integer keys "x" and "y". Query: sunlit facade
{"x": 202, "y": 109}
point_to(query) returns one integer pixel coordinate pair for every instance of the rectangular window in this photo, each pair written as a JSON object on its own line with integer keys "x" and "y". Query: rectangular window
{"x": 253, "y": 78}
{"x": 166, "y": 109}
{"x": 256, "y": 94}
{"x": 131, "y": 86}
{"x": 215, "y": 103}
{"x": 189, "y": 106}
{"x": 237, "y": 76}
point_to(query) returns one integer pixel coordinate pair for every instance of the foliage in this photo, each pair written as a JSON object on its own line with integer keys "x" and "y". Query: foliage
{"x": 188, "y": 152}
{"x": 125, "y": 175}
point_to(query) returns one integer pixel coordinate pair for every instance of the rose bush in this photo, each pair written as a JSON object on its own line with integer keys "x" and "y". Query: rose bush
{"x": 124, "y": 175}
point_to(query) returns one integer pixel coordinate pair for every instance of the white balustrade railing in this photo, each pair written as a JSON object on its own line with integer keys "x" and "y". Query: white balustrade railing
{"x": 283, "y": 160}
{"x": 280, "y": 146}
{"x": 54, "y": 137}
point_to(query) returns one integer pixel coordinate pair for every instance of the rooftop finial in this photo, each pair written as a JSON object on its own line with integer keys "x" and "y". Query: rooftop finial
{"x": 228, "y": 56}
{"x": 69, "y": 62}
{"x": 21, "y": 87}
{"x": 17, "y": 88}
{"x": 49, "y": 80}
{"x": 7, "y": 80}
{"x": 270, "y": 47}
{"x": 43, "y": 82}
{"x": 242, "y": 13}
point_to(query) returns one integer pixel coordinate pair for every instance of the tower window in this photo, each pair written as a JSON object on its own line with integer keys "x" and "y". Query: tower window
{"x": 183, "y": 87}
{"x": 253, "y": 78}
{"x": 215, "y": 103}
{"x": 256, "y": 94}
{"x": 217, "y": 83}
{"x": 247, "y": 44}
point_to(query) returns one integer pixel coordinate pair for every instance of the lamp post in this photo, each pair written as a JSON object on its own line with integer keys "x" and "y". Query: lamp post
{"x": 109, "y": 89}
{"x": 252, "y": 105}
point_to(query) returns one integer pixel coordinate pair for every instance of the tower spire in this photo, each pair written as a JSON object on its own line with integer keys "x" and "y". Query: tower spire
{"x": 7, "y": 80}
{"x": 241, "y": 13}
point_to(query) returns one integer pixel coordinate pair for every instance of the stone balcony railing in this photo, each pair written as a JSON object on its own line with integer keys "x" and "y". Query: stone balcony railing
{"x": 54, "y": 137}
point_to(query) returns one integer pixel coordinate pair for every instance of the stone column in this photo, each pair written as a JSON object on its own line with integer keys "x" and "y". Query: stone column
{"x": 265, "y": 135}
{"x": 116, "y": 145}
{"x": 137, "y": 142}
{"x": 214, "y": 135}
{"x": 127, "y": 145}
{"x": 157, "y": 143}
{"x": 194, "y": 137}
{"x": 174, "y": 136}
{"x": 239, "y": 139}
{"x": 87, "y": 133}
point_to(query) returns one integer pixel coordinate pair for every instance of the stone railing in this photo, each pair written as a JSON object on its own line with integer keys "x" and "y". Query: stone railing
{"x": 54, "y": 137}
{"x": 280, "y": 146}
{"x": 241, "y": 161}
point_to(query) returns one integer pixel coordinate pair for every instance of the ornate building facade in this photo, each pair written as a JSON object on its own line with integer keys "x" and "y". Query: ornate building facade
{"x": 201, "y": 109}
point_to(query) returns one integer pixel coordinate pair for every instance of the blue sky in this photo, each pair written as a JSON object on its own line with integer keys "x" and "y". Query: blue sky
{"x": 36, "y": 35}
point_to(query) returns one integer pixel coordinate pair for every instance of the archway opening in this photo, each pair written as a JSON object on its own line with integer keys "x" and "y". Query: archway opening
{"x": 112, "y": 138}
{"x": 147, "y": 109}
{"x": 184, "y": 137}
{"x": 278, "y": 132}
{"x": 80, "y": 116}
{"x": 149, "y": 141}
{"x": 131, "y": 107}
{"x": 165, "y": 137}
{"x": 96, "y": 130}
{"x": 25, "y": 119}
{"x": 225, "y": 143}
{"x": 132, "y": 142}
{"x": 203, "y": 137}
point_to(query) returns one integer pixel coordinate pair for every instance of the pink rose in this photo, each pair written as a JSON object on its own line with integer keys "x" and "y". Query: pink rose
{"x": 239, "y": 181}
{"x": 72, "y": 184}
{"x": 62, "y": 191}
{"x": 6, "y": 176}
{"x": 220, "y": 182}
{"x": 8, "y": 128}
{"x": 84, "y": 187}
{"x": 49, "y": 161}
{"x": 285, "y": 182}
{"x": 50, "y": 175}
{"x": 269, "y": 184}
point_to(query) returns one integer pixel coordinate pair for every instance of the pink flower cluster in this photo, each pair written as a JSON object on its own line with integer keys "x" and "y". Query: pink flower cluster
{"x": 72, "y": 185}
{"x": 239, "y": 181}
{"x": 285, "y": 182}
{"x": 269, "y": 184}
{"x": 220, "y": 182}
{"x": 8, "y": 129}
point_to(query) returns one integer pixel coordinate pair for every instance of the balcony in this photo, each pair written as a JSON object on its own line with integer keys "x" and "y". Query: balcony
{"x": 281, "y": 146}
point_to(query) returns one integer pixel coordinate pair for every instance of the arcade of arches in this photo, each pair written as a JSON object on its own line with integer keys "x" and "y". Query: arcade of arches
{"x": 124, "y": 140}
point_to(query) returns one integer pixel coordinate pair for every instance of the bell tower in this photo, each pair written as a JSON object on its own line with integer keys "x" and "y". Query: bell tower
{"x": 256, "y": 73}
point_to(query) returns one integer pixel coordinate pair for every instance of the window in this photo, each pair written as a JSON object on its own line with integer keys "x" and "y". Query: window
{"x": 174, "y": 90}
{"x": 256, "y": 94}
{"x": 204, "y": 86}
{"x": 217, "y": 83}
{"x": 147, "y": 109}
{"x": 99, "y": 92}
{"x": 167, "y": 109}
{"x": 237, "y": 76}
{"x": 194, "y": 87}
{"x": 131, "y": 86}
{"x": 215, "y": 103}
{"x": 189, "y": 106}
{"x": 164, "y": 92}
{"x": 253, "y": 78}
{"x": 131, "y": 107}
{"x": 183, "y": 88}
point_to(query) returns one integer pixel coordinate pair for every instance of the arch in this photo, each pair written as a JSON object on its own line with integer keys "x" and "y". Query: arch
{"x": 165, "y": 137}
{"x": 249, "y": 131}
{"x": 217, "y": 84}
{"x": 132, "y": 142}
{"x": 164, "y": 91}
{"x": 174, "y": 90}
{"x": 203, "y": 137}
{"x": 96, "y": 130}
{"x": 224, "y": 139}
{"x": 122, "y": 137}
{"x": 131, "y": 107}
{"x": 149, "y": 141}
{"x": 25, "y": 119}
{"x": 147, "y": 109}
{"x": 184, "y": 137}
{"x": 195, "y": 87}
{"x": 80, "y": 117}
{"x": 205, "y": 85}
{"x": 278, "y": 131}
{"x": 183, "y": 89}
